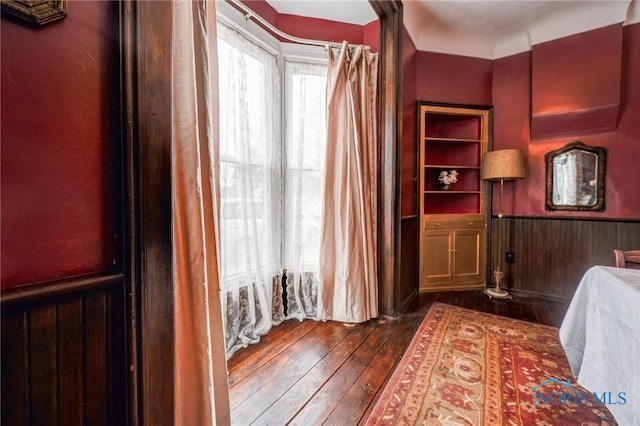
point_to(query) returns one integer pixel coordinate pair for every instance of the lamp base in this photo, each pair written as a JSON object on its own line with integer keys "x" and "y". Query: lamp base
{"x": 497, "y": 293}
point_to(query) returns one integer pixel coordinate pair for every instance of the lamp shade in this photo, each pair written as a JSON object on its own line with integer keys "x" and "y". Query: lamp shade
{"x": 504, "y": 164}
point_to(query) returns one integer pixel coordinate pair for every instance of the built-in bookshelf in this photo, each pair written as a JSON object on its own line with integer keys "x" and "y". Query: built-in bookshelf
{"x": 453, "y": 138}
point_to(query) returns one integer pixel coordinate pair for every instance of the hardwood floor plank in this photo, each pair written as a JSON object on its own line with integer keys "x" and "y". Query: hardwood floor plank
{"x": 303, "y": 354}
{"x": 358, "y": 399}
{"x": 262, "y": 354}
{"x": 296, "y": 397}
{"x": 274, "y": 335}
{"x": 312, "y": 373}
{"x": 336, "y": 387}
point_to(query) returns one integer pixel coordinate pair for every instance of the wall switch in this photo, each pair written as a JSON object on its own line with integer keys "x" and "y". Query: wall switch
{"x": 509, "y": 257}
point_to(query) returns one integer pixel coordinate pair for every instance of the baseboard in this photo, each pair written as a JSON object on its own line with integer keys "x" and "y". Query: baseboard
{"x": 550, "y": 297}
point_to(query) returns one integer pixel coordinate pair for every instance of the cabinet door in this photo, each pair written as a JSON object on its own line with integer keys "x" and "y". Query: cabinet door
{"x": 437, "y": 259}
{"x": 468, "y": 256}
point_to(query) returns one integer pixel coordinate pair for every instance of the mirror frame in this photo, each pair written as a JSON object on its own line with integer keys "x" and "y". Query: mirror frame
{"x": 36, "y": 13}
{"x": 601, "y": 154}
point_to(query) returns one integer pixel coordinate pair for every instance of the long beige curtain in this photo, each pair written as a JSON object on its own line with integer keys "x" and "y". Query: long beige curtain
{"x": 348, "y": 287}
{"x": 201, "y": 388}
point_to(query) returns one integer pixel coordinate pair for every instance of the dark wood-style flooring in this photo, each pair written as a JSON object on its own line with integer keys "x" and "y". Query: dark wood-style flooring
{"x": 315, "y": 373}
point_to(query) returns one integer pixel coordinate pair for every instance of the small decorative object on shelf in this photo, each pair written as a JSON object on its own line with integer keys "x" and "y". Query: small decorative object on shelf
{"x": 447, "y": 178}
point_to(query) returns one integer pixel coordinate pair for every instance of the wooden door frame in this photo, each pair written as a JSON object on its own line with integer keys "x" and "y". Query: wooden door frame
{"x": 145, "y": 102}
{"x": 389, "y": 153}
{"x": 145, "y": 55}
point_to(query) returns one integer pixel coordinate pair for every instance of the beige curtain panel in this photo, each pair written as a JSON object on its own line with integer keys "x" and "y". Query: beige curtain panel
{"x": 348, "y": 287}
{"x": 201, "y": 389}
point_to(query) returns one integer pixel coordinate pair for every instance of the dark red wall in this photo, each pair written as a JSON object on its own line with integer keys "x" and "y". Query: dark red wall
{"x": 453, "y": 79}
{"x": 506, "y": 84}
{"x": 320, "y": 29}
{"x": 57, "y": 211}
{"x": 511, "y": 99}
{"x": 371, "y": 35}
{"x": 435, "y": 77}
{"x": 575, "y": 84}
{"x": 409, "y": 189}
{"x": 313, "y": 28}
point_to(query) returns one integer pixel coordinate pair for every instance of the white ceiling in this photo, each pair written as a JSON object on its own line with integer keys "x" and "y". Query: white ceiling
{"x": 488, "y": 29}
{"x": 349, "y": 11}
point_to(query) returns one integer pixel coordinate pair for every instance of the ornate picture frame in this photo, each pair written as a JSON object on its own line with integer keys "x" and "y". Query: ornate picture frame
{"x": 35, "y": 12}
{"x": 575, "y": 178}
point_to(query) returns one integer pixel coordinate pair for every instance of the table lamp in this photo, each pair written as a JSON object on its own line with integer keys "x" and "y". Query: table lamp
{"x": 504, "y": 164}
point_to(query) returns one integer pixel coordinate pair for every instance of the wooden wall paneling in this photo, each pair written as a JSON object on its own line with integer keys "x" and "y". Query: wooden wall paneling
{"x": 552, "y": 254}
{"x": 43, "y": 365}
{"x": 62, "y": 358}
{"x": 15, "y": 367}
{"x": 117, "y": 355}
{"x": 71, "y": 365}
{"x": 409, "y": 273}
{"x": 96, "y": 363}
{"x": 627, "y": 236}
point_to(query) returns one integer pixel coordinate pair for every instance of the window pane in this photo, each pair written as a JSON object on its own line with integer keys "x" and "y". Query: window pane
{"x": 305, "y": 88}
{"x": 249, "y": 111}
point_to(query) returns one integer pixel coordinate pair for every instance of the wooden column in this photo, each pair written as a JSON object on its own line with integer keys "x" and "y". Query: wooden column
{"x": 389, "y": 152}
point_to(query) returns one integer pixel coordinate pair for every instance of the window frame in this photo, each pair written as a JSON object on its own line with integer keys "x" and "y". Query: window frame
{"x": 283, "y": 52}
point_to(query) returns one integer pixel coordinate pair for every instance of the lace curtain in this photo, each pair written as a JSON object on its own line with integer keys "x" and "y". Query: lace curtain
{"x": 305, "y": 134}
{"x": 271, "y": 190}
{"x": 249, "y": 187}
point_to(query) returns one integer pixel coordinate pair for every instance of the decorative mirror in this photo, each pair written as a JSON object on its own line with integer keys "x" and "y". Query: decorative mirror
{"x": 575, "y": 178}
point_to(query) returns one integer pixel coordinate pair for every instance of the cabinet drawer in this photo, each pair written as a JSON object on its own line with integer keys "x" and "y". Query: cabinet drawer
{"x": 457, "y": 224}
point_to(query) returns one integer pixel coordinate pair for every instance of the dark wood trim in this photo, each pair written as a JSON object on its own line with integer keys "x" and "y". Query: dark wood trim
{"x": 452, "y": 105}
{"x": 127, "y": 246}
{"x": 583, "y": 218}
{"x": 147, "y": 74}
{"x": 389, "y": 153}
{"x": 66, "y": 286}
{"x": 145, "y": 50}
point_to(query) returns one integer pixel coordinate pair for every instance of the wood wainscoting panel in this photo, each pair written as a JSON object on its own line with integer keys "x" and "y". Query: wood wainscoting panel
{"x": 552, "y": 254}
{"x": 15, "y": 389}
{"x": 63, "y": 357}
{"x": 407, "y": 288}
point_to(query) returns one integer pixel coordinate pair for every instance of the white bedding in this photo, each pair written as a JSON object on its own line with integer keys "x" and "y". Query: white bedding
{"x": 601, "y": 337}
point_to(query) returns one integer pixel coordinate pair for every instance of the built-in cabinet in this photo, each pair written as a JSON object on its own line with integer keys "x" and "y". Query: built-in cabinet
{"x": 452, "y": 196}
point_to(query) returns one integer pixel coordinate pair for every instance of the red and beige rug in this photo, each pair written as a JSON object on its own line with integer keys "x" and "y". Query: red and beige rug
{"x": 465, "y": 367}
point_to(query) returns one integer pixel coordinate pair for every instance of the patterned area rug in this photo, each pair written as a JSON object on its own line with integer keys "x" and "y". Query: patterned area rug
{"x": 465, "y": 367}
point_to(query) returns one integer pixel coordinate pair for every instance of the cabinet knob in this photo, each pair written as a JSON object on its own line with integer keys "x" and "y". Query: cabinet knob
{"x": 437, "y": 224}
{"x": 470, "y": 223}
{"x": 453, "y": 251}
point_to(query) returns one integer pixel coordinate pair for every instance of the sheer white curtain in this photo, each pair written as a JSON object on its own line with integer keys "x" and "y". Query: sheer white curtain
{"x": 348, "y": 288}
{"x": 201, "y": 390}
{"x": 305, "y": 139}
{"x": 250, "y": 182}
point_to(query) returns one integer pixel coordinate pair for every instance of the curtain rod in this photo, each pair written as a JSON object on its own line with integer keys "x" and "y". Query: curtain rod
{"x": 253, "y": 15}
